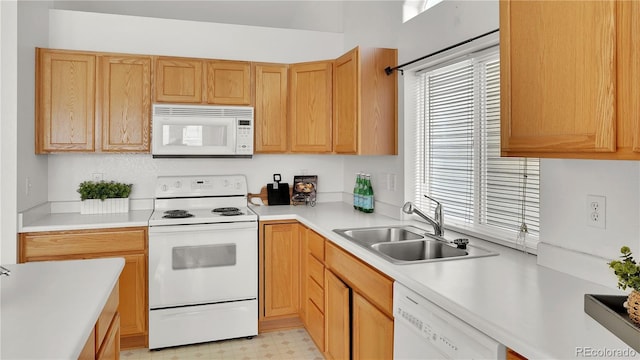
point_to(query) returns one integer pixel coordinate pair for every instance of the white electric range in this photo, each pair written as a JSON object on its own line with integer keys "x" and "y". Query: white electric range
{"x": 203, "y": 261}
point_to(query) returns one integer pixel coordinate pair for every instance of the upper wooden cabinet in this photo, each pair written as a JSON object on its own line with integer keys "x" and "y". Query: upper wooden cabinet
{"x": 310, "y": 109}
{"x": 270, "y": 107}
{"x": 65, "y": 101}
{"x": 179, "y": 80}
{"x": 125, "y": 106}
{"x": 569, "y": 79}
{"x": 365, "y": 119}
{"x": 88, "y": 102}
{"x": 202, "y": 81}
{"x": 229, "y": 82}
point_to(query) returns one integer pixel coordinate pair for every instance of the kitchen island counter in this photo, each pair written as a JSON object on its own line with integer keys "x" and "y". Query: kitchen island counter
{"x": 531, "y": 309}
{"x": 48, "y": 309}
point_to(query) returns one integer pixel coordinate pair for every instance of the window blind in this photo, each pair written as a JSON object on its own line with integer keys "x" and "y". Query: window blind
{"x": 458, "y": 144}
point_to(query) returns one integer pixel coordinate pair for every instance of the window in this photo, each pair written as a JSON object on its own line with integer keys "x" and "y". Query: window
{"x": 458, "y": 152}
{"x": 413, "y": 8}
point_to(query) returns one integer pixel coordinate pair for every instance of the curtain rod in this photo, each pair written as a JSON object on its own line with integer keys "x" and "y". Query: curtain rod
{"x": 389, "y": 70}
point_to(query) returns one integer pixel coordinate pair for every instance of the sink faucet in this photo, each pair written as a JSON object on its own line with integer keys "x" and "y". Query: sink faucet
{"x": 437, "y": 221}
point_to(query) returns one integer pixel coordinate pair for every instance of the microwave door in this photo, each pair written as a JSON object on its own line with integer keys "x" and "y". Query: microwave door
{"x": 194, "y": 136}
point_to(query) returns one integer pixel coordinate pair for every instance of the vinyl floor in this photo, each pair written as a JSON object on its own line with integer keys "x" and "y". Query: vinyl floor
{"x": 289, "y": 344}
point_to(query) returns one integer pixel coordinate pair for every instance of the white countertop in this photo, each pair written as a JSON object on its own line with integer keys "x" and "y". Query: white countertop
{"x": 48, "y": 309}
{"x": 77, "y": 221}
{"x": 534, "y": 310}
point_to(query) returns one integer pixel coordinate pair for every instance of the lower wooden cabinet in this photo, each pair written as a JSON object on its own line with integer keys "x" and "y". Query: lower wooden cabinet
{"x": 128, "y": 243}
{"x": 358, "y": 308}
{"x": 279, "y": 275}
{"x": 104, "y": 341}
{"x": 345, "y": 305}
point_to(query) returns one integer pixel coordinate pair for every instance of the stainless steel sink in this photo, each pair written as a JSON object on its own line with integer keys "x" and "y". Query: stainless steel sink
{"x": 409, "y": 244}
{"x": 418, "y": 250}
{"x": 374, "y": 235}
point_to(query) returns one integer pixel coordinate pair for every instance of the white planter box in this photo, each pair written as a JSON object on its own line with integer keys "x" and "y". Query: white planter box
{"x": 108, "y": 206}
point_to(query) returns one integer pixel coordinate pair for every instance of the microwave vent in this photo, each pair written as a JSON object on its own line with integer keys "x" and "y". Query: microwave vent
{"x": 203, "y": 111}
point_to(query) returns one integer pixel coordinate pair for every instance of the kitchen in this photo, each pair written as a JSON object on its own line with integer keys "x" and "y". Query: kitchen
{"x": 52, "y": 178}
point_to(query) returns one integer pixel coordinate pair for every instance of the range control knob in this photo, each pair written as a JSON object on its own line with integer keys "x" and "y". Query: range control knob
{"x": 177, "y": 184}
{"x": 164, "y": 187}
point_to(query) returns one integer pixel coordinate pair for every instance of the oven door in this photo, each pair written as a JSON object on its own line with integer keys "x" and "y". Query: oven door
{"x": 201, "y": 264}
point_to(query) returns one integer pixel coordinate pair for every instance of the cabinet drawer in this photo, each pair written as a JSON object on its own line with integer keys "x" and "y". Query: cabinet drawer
{"x": 315, "y": 269}
{"x": 316, "y": 245}
{"x": 374, "y": 286}
{"x": 315, "y": 325}
{"x": 81, "y": 242}
{"x": 107, "y": 315}
{"x": 315, "y": 293}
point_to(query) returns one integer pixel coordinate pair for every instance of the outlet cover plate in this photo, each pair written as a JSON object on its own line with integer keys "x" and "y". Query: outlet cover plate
{"x": 596, "y": 211}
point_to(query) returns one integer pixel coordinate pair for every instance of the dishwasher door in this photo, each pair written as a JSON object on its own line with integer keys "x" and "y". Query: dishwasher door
{"x": 423, "y": 330}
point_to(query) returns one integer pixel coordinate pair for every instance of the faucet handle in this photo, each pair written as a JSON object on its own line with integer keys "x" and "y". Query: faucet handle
{"x": 432, "y": 199}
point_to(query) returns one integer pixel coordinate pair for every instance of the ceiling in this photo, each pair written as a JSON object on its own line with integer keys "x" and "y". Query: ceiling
{"x": 317, "y": 15}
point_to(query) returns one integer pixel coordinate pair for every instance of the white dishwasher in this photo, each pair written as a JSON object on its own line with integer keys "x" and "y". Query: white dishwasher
{"x": 423, "y": 330}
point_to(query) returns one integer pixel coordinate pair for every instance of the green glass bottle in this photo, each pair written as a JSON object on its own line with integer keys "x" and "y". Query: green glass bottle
{"x": 356, "y": 186}
{"x": 368, "y": 203}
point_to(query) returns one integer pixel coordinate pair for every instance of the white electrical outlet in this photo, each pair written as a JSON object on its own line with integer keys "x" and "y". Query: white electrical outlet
{"x": 596, "y": 211}
{"x": 27, "y": 186}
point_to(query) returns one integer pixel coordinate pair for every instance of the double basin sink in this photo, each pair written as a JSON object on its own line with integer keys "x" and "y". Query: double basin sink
{"x": 409, "y": 245}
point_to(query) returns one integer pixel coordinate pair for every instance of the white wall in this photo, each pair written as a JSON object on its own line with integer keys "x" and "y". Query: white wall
{"x": 130, "y": 34}
{"x": 8, "y": 125}
{"x": 33, "y": 30}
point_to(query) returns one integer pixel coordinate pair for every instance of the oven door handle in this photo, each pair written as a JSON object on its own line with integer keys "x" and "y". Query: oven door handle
{"x": 203, "y": 227}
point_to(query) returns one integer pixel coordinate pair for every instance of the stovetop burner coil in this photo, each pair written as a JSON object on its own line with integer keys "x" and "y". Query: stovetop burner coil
{"x": 231, "y": 213}
{"x": 226, "y": 210}
{"x": 177, "y": 214}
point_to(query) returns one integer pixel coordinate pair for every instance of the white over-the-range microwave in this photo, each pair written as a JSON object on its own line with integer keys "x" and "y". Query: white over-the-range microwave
{"x": 202, "y": 131}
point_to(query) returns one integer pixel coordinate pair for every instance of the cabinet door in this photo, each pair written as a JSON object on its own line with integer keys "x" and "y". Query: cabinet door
{"x": 65, "y": 101}
{"x": 179, "y": 80}
{"x": 372, "y": 331}
{"x": 281, "y": 270}
{"x": 110, "y": 348}
{"x": 336, "y": 314}
{"x": 558, "y": 76}
{"x": 628, "y": 61}
{"x": 270, "y": 108}
{"x": 310, "y": 107}
{"x": 133, "y": 296}
{"x": 228, "y": 82}
{"x": 346, "y": 103}
{"x": 124, "y": 105}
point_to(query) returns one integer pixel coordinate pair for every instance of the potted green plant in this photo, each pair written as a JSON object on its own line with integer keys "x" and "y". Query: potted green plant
{"x": 104, "y": 197}
{"x": 628, "y": 273}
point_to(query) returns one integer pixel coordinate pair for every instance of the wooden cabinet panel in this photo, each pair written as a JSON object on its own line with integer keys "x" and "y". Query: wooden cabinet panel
{"x": 315, "y": 325}
{"x": 89, "y": 350}
{"x": 110, "y": 349}
{"x": 512, "y": 355}
{"x": 372, "y": 331}
{"x": 65, "y": 101}
{"x": 315, "y": 244}
{"x": 315, "y": 269}
{"x": 270, "y": 107}
{"x": 125, "y": 103}
{"x": 371, "y": 284}
{"x": 76, "y": 243}
{"x": 315, "y": 293}
{"x": 337, "y": 317}
{"x": 106, "y": 316}
{"x": 558, "y": 76}
{"x": 133, "y": 296}
{"x": 310, "y": 105}
{"x": 365, "y": 106}
{"x": 229, "y": 82}
{"x": 346, "y": 103}
{"x": 281, "y": 270}
{"x": 179, "y": 80}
